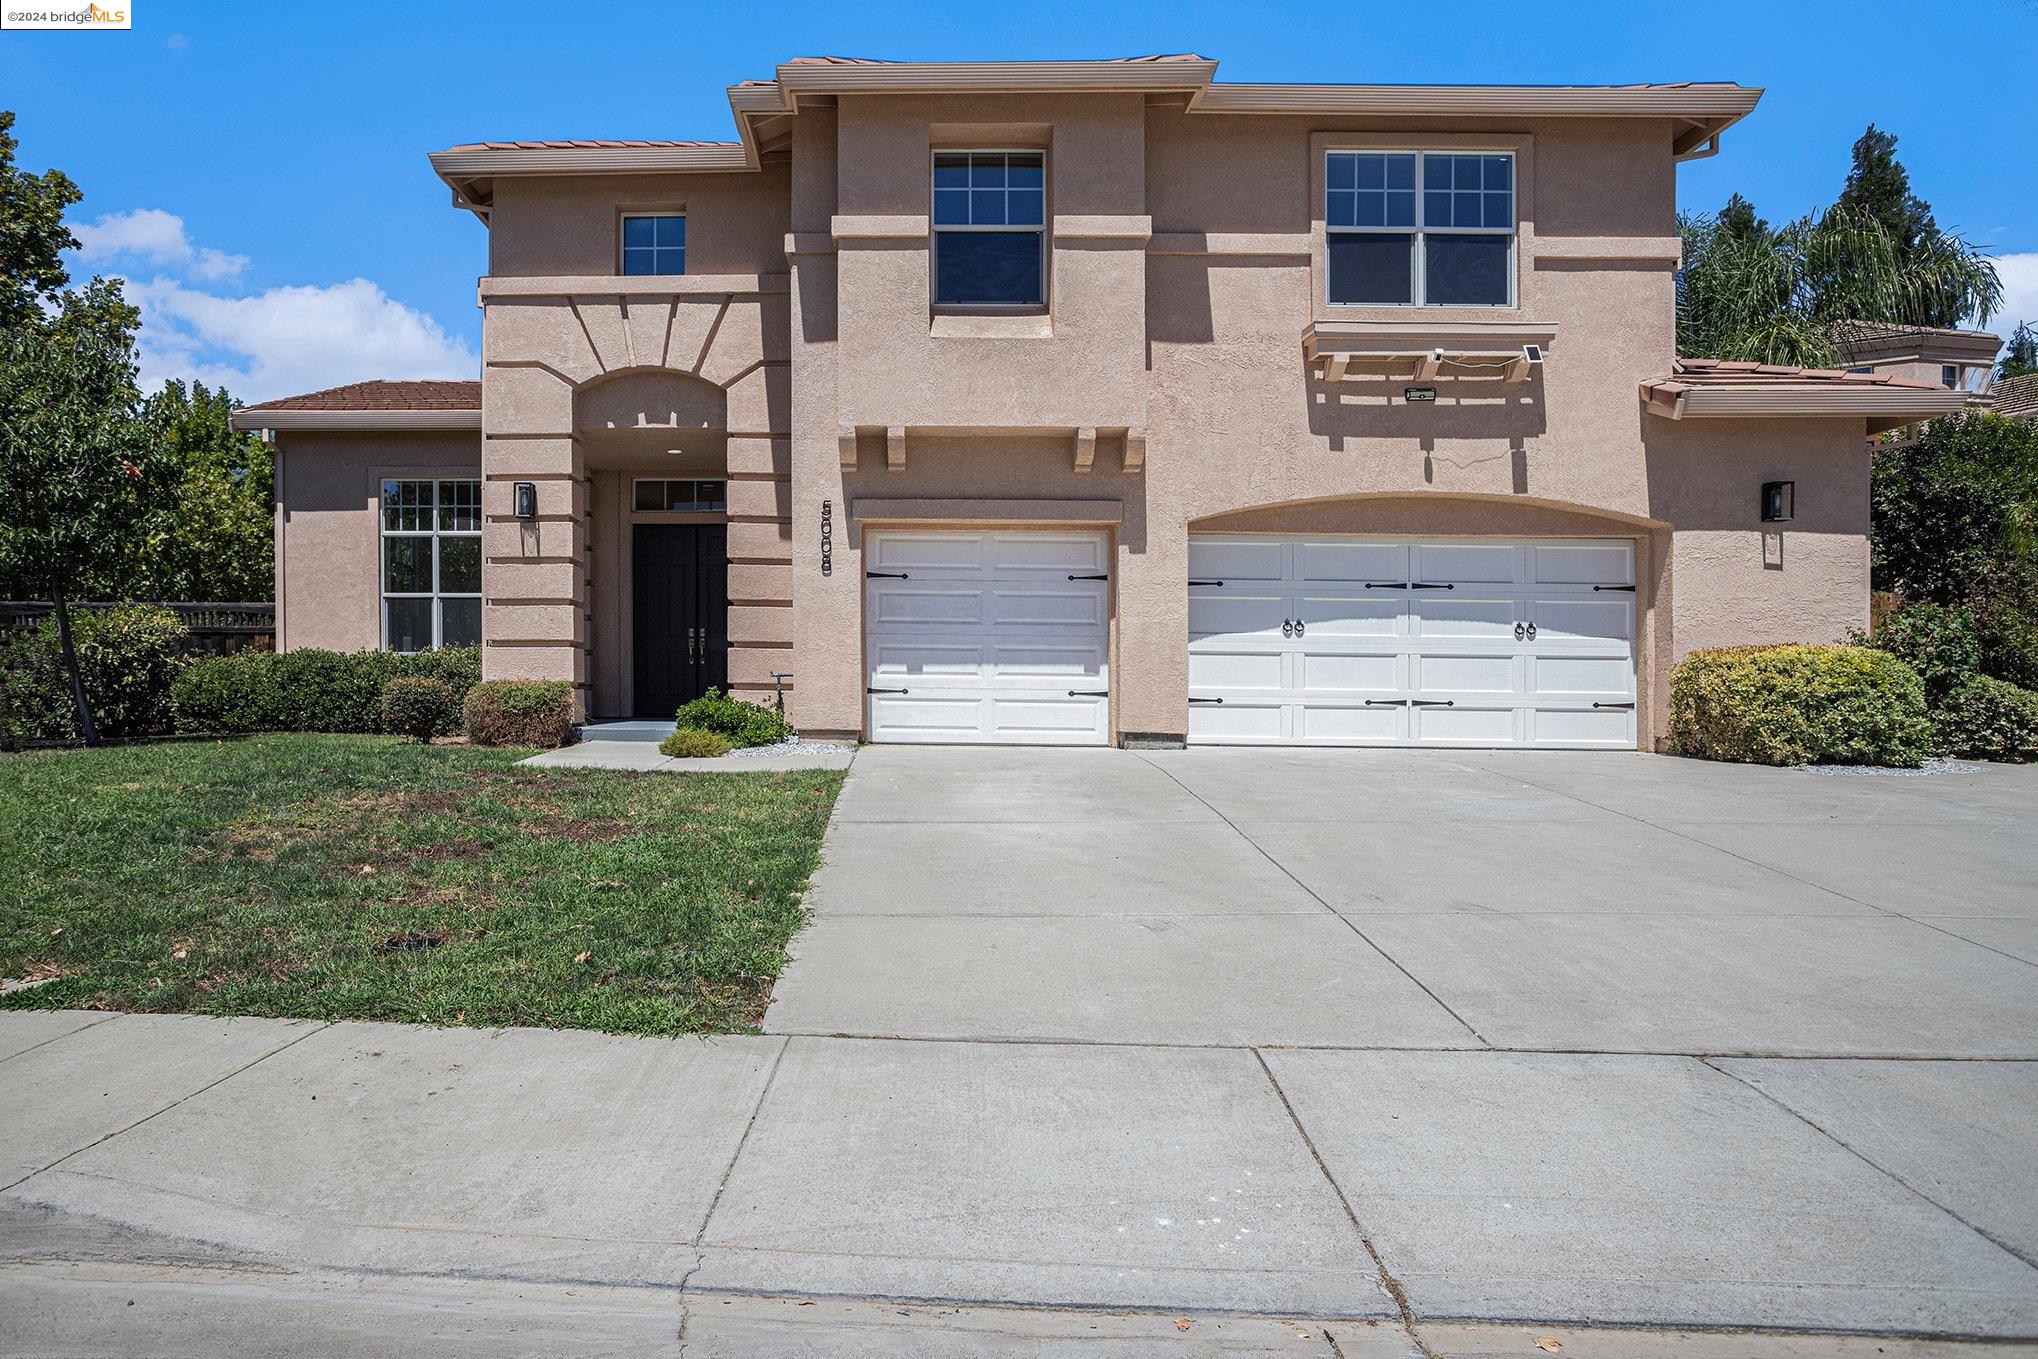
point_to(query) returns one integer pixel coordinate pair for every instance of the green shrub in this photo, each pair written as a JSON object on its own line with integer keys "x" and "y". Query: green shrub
{"x": 1936, "y": 641}
{"x": 128, "y": 660}
{"x": 520, "y": 713}
{"x": 737, "y": 722}
{"x": 2006, "y": 624}
{"x": 691, "y": 743}
{"x": 308, "y": 690}
{"x": 419, "y": 707}
{"x": 1799, "y": 705}
{"x": 1988, "y": 719}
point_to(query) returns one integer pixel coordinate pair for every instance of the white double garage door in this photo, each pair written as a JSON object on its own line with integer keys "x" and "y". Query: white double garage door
{"x": 1003, "y": 637}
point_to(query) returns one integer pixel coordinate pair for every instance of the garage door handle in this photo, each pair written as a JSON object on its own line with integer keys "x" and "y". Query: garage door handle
{"x": 1629, "y": 588}
{"x": 1092, "y": 578}
{"x": 1613, "y": 705}
{"x": 1432, "y": 703}
{"x": 1089, "y": 693}
{"x": 888, "y": 575}
{"x": 884, "y": 691}
{"x": 1206, "y": 582}
{"x": 1429, "y": 585}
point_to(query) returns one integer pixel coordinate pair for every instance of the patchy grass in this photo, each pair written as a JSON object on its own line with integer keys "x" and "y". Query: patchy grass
{"x": 357, "y": 877}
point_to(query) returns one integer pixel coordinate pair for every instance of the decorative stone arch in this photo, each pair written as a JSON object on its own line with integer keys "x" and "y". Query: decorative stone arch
{"x": 650, "y": 398}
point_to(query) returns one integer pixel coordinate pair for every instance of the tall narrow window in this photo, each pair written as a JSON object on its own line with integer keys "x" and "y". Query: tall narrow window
{"x": 1419, "y": 228}
{"x": 654, "y": 243}
{"x": 431, "y": 564}
{"x": 990, "y": 228}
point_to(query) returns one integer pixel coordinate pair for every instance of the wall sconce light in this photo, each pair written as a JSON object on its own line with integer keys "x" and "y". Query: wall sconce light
{"x": 527, "y": 500}
{"x": 1779, "y": 501}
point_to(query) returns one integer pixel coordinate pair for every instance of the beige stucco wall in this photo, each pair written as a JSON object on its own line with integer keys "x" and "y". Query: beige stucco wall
{"x": 328, "y": 543}
{"x": 1186, "y": 262}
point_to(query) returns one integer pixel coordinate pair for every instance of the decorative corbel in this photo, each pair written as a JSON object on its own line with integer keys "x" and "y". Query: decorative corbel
{"x": 1135, "y": 450}
{"x": 1086, "y": 448}
{"x": 845, "y": 443}
{"x": 895, "y": 448}
{"x": 1334, "y": 367}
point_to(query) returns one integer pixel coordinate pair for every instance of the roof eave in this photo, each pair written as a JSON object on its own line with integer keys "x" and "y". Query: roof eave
{"x": 257, "y": 418}
{"x": 1675, "y": 400}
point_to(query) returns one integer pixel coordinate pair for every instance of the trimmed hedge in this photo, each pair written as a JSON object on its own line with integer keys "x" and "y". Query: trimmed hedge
{"x": 128, "y": 660}
{"x": 520, "y": 713}
{"x": 1988, "y": 719}
{"x": 326, "y": 691}
{"x": 691, "y": 743}
{"x": 1799, "y": 705}
{"x": 419, "y": 707}
{"x": 735, "y": 721}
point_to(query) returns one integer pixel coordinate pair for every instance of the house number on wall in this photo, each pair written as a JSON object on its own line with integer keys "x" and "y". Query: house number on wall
{"x": 827, "y": 537}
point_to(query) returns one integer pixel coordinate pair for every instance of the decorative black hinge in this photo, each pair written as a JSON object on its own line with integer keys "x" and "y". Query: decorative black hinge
{"x": 1206, "y": 582}
{"x": 888, "y": 575}
{"x": 1432, "y": 703}
{"x": 1089, "y": 577}
{"x": 1429, "y": 585}
{"x": 884, "y": 691}
{"x": 1089, "y": 693}
{"x": 1206, "y": 700}
{"x": 1614, "y": 705}
{"x": 1628, "y": 588}
{"x": 1386, "y": 585}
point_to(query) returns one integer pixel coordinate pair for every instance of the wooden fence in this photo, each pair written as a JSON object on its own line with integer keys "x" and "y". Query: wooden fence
{"x": 216, "y": 629}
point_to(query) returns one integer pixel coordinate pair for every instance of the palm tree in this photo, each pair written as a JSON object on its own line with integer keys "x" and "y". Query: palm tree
{"x": 1779, "y": 295}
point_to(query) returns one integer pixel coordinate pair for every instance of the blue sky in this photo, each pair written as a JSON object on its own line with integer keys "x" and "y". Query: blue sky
{"x": 261, "y": 167}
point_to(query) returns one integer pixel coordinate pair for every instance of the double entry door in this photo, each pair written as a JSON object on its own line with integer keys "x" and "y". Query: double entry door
{"x": 680, "y": 592}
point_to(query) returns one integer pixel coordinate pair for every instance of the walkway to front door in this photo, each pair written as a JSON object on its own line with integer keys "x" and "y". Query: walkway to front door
{"x": 680, "y": 588}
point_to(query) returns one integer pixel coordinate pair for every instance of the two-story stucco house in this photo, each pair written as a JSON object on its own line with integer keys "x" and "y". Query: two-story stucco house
{"x": 1086, "y": 402}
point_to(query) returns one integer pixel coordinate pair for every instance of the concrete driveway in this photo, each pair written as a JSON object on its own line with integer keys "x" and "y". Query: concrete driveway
{"x": 1330, "y": 1054}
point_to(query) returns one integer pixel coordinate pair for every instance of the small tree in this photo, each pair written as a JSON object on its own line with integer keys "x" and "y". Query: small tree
{"x": 212, "y": 537}
{"x": 79, "y": 467}
{"x": 2020, "y": 355}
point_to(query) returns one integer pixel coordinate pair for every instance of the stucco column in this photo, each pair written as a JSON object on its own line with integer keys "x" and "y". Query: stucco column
{"x": 534, "y": 575}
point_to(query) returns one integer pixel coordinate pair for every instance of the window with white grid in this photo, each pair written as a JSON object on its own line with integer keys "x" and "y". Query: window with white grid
{"x": 431, "y": 564}
{"x": 1419, "y": 228}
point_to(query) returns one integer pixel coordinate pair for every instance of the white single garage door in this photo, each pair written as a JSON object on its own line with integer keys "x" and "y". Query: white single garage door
{"x": 987, "y": 636}
{"x": 1368, "y": 641}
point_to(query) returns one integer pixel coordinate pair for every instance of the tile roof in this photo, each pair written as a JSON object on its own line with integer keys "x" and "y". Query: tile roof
{"x": 1727, "y": 372}
{"x": 383, "y": 396}
{"x": 2016, "y": 397}
{"x": 1889, "y": 330}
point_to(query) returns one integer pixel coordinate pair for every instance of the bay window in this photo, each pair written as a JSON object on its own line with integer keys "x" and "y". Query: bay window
{"x": 1419, "y": 228}
{"x": 431, "y": 564}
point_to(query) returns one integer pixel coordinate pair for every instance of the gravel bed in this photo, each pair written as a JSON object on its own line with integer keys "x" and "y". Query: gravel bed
{"x": 789, "y": 746}
{"x": 1929, "y": 769}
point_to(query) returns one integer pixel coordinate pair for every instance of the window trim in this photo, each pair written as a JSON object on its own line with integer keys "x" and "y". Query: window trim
{"x": 629, "y": 214}
{"x": 935, "y": 230}
{"x": 383, "y": 533}
{"x": 1419, "y": 270}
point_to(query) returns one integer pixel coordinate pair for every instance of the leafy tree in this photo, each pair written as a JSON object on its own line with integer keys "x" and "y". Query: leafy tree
{"x": 211, "y": 537}
{"x": 2020, "y": 355}
{"x": 1956, "y": 510}
{"x": 79, "y": 466}
{"x": 32, "y": 232}
{"x": 1878, "y": 186}
{"x": 1738, "y": 219}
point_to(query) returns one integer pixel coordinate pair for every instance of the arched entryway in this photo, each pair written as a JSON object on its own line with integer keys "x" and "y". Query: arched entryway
{"x": 1433, "y": 620}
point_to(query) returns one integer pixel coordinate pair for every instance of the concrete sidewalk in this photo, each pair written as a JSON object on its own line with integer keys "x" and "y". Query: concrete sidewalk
{"x": 178, "y": 1184}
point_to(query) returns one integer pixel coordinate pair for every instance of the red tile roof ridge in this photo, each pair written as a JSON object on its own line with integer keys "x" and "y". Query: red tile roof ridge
{"x": 385, "y": 394}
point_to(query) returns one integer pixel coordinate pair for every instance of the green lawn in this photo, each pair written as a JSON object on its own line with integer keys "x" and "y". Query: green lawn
{"x": 358, "y": 877}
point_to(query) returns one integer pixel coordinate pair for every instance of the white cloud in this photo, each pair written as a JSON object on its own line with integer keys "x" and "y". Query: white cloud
{"x": 291, "y": 339}
{"x": 153, "y": 237}
{"x": 2020, "y": 292}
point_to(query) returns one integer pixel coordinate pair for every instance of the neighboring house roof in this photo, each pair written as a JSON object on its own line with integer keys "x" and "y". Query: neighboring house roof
{"x": 1719, "y": 388}
{"x": 1877, "y": 342}
{"x": 2016, "y": 397}
{"x": 1698, "y": 111}
{"x": 371, "y": 406}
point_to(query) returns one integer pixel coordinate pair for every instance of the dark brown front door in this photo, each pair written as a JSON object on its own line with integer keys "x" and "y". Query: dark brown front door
{"x": 680, "y": 586}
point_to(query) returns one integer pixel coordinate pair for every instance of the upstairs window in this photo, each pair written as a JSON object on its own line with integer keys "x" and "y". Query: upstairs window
{"x": 654, "y": 243}
{"x": 431, "y": 564}
{"x": 1419, "y": 228}
{"x": 990, "y": 228}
